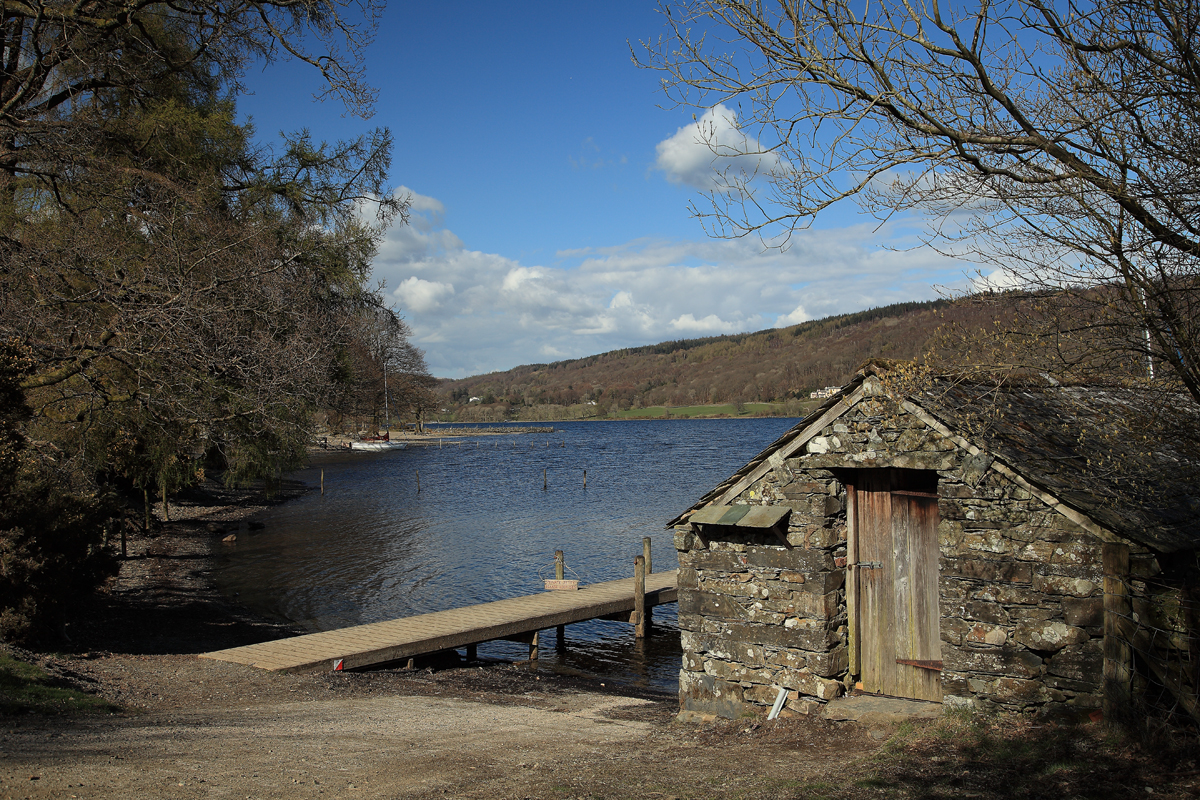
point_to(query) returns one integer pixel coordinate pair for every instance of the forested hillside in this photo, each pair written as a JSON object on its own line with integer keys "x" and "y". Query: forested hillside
{"x": 772, "y": 366}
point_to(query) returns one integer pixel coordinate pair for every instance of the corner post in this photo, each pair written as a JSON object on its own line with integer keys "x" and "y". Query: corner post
{"x": 639, "y": 597}
{"x": 560, "y": 633}
{"x": 1118, "y": 613}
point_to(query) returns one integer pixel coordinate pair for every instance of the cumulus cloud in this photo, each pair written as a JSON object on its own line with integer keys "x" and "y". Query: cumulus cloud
{"x": 1000, "y": 280}
{"x": 421, "y": 296}
{"x": 712, "y": 324}
{"x": 476, "y": 312}
{"x": 713, "y": 153}
{"x": 797, "y": 315}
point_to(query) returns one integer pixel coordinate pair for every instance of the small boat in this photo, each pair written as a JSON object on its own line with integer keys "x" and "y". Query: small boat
{"x": 376, "y": 444}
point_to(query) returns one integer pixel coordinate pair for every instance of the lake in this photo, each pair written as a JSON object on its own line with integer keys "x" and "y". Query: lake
{"x": 482, "y": 528}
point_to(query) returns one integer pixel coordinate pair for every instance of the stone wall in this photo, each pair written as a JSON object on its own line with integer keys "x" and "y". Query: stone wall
{"x": 1020, "y": 584}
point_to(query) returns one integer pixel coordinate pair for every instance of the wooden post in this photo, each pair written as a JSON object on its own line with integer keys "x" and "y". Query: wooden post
{"x": 639, "y": 597}
{"x": 585, "y": 479}
{"x": 322, "y": 481}
{"x": 1118, "y": 613}
{"x": 649, "y": 613}
{"x": 544, "y": 483}
{"x": 559, "y": 564}
{"x": 533, "y": 650}
{"x": 471, "y": 652}
{"x": 851, "y": 580}
{"x": 418, "y": 481}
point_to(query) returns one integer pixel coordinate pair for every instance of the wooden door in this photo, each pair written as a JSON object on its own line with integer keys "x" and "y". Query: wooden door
{"x": 895, "y": 536}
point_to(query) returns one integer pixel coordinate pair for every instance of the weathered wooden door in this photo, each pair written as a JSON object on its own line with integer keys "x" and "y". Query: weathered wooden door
{"x": 895, "y": 535}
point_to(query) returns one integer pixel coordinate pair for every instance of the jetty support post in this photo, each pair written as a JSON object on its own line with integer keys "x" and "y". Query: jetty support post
{"x": 561, "y": 631}
{"x": 472, "y": 652}
{"x": 639, "y": 597}
{"x": 533, "y": 650}
{"x": 649, "y": 570}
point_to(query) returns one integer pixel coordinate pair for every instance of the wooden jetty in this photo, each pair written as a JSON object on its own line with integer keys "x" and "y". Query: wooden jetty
{"x": 516, "y": 619}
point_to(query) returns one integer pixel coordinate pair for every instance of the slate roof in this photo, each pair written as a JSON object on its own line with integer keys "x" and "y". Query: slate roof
{"x": 1088, "y": 446}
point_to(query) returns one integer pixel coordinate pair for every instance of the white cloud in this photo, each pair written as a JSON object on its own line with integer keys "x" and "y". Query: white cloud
{"x": 797, "y": 315}
{"x": 712, "y": 324}
{"x": 422, "y": 204}
{"x": 422, "y": 296}
{"x": 476, "y": 312}
{"x": 1000, "y": 280}
{"x": 713, "y": 153}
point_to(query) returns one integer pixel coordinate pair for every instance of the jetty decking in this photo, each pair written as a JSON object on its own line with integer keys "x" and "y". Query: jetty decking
{"x": 518, "y": 618}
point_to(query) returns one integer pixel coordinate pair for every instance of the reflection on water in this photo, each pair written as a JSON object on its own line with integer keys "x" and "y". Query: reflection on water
{"x": 483, "y": 528}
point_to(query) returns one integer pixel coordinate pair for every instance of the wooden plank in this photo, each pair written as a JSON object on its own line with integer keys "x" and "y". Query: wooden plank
{"x": 876, "y": 651}
{"x": 1118, "y": 656}
{"x": 855, "y": 633}
{"x": 394, "y": 640}
{"x": 926, "y": 613}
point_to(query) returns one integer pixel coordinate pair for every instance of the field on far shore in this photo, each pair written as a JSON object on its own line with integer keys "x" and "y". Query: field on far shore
{"x": 700, "y": 412}
{"x": 553, "y": 413}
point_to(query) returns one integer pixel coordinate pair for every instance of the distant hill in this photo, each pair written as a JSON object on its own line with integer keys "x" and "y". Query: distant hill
{"x": 771, "y": 366}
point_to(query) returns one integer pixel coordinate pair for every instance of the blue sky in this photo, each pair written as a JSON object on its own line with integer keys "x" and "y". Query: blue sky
{"x": 550, "y": 181}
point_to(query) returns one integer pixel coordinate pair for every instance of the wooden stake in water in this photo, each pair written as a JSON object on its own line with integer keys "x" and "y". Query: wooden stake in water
{"x": 418, "y": 481}
{"x": 544, "y": 482}
{"x": 322, "y": 481}
{"x": 585, "y": 479}
{"x": 639, "y": 597}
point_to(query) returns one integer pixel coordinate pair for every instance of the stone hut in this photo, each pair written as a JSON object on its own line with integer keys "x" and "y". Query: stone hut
{"x": 967, "y": 545}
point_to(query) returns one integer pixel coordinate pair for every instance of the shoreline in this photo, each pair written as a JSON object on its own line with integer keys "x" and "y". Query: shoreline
{"x": 483, "y": 730}
{"x": 195, "y": 728}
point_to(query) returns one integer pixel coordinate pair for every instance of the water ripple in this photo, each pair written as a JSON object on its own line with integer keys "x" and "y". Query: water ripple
{"x": 483, "y": 527}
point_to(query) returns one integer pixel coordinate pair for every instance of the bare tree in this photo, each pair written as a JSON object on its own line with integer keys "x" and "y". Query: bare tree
{"x": 1053, "y": 140}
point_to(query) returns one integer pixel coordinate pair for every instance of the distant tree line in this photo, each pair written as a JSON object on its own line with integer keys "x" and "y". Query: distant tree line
{"x": 773, "y": 366}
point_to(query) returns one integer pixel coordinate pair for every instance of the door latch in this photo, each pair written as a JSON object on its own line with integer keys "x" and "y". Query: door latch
{"x": 869, "y": 565}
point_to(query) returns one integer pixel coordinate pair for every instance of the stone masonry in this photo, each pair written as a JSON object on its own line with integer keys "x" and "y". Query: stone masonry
{"x": 1020, "y": 584}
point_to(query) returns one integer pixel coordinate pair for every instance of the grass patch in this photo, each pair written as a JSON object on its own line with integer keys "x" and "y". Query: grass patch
{"x": 28, "y": 689}
{"x": 691, "y": 412}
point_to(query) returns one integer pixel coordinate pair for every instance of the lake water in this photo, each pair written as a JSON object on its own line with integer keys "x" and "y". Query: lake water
{"x": 482, "y": 528}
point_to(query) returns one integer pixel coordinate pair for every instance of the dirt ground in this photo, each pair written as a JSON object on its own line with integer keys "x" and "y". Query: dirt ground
{"x": 192, "y": 728}
{"x": 198, "y": 728}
